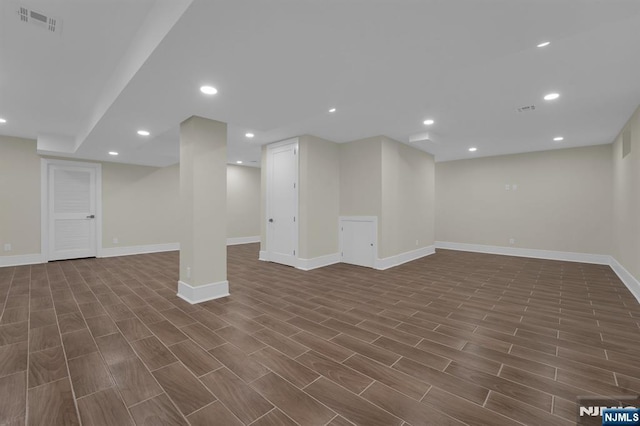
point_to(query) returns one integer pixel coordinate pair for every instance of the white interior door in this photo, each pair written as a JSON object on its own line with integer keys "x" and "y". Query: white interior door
{"x": 358, "y": 239}
{"x": 72, "y": 212}
{"x": 282, "y": 203}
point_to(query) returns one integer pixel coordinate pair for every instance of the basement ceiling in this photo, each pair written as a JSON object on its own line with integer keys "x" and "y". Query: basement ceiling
{"x": 279, "y": 66}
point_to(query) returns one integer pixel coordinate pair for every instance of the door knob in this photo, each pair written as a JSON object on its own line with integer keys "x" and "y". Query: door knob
{"x": 91, "y": 216}
{"x": 271, "y": 220}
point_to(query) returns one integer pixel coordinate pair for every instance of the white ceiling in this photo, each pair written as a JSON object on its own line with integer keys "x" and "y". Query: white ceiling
{"x": 386, "y": 65}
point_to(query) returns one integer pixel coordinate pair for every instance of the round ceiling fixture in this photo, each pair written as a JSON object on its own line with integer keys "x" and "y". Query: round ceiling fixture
{"x": 208, "y": 90}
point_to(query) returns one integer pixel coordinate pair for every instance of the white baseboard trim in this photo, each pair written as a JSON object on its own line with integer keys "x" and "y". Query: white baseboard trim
{"x": 264, "y": 256}
{"x": 598, "y": 259}
{"x": 625, "y": 276}
{"x": 318, "y": 262}
{"x": 202, "y": 293}
{"x": 243, "y": 240}
{"x": 131, "y": 250}
{"x": 399, "y": 259}
{"x": 21, "y": 259}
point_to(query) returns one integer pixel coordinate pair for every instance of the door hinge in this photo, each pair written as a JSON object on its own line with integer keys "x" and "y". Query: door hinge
{"x": 295, "y": 151}
{"x": 294, "y": 252}
{"x": 342, "y": 229}
{"x": 342, "y": 254}
{"x": 294, "y": 185}
{"x": 294, "y": 218}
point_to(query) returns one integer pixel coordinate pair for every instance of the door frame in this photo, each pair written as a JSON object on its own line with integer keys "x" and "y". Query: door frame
{"x": 374, "y": 220}
{"x": 45, "y": 164}
{"x": 271, "y": 147}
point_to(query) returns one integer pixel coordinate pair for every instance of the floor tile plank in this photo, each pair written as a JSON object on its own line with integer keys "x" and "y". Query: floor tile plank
{"x": 133, "y": 381}
{"x": 46, "y": 366}
{"x": 157, "y": 411}
{"x": 349, "y": 405}
{"x": 237, "y": 396}
{"x": 153, "y": 353}
{"x": 184, "y": 389}
{"x": 342, "y": 375}
{"x": 292, "y": 401}
{"x": 406, "y": 408}
{"x": 195, "y": 358}
{"x": 214, "y": 412}
{"x": 13, "y": 389}
{"x": 104, "y": 408}
{"x": 285, "y": 367}
{"x": 52, "y": 404}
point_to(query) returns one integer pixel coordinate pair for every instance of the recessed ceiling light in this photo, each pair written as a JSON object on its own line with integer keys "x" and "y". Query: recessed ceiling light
{"x": 551, "y": 96}
{"x": 208, "y": 90}
{"x": 249, "y": 135}
{"x": 428, "y": 122}
{"x": 2, "y": 121}
{"x": 239, "y": 162}
{"x": 473, "y": 149}
{"x": 332, "y": 110}
{"x": 113, "y": 153}
{"x": 544, "y": 44}
{"x": 143, "y": 133}
{"x": 558, "y": 138}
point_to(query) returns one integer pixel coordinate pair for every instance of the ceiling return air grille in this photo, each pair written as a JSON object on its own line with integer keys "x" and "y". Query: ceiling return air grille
{"x": 38, "y": 19}
{"x": 526, "y": 108}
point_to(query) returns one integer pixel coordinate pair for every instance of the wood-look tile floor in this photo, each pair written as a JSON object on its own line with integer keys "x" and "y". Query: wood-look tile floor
{"x": 455, "y": 338}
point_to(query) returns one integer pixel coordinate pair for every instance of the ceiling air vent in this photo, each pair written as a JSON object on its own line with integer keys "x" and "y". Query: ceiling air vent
{"x": 38, "y": 19}
{"x": 526, "y": 108}
{"x": 420, "y": 137}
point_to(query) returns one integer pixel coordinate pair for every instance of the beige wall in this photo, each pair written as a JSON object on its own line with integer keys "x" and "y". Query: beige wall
{"x": 243, "y": 201}
{"x": 19, "y": 196}
{"x": 626, "y": 199}
{"x": 408, "y": 199}
{"x": 139, "y": 205}
{"x": 361, "y": 177}
{"x": 395, "y": 182}
{"x": 263, "y": 199}
{"x": 562, "y": 202}
{"x": 319, "y": 197}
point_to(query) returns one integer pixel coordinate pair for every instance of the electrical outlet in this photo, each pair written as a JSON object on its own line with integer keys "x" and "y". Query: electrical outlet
{"x": 7, "y": 247}
{"x": 514, "y": 187}
{"x": 188, "y": 272}
{"x": 417, "y": 242}
{"x": 512, "y": 241}
{"x": 115, "y": 240}
{"x": 507, "y": 187}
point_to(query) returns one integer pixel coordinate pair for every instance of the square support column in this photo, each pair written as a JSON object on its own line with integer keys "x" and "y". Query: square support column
{"x": 203, "y": 201}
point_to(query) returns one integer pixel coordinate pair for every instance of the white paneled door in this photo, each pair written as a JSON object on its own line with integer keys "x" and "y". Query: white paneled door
{"x": 72, "y": 212}
{"x": 358, "y": 241}
{"x": 282, "y": 203}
